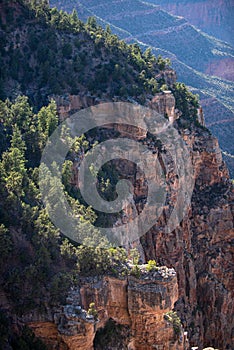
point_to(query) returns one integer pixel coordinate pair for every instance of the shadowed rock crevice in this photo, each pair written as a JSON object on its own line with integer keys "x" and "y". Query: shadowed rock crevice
{"x": 112, "y": 336}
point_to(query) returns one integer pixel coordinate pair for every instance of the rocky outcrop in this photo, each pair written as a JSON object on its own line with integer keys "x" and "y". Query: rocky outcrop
{"x": 200, "y": 116}
{"x": 72, "y": 333}
{"x": 140, "y": 304}
{"x": 147, "y": 311}
{"x": 164, "y": 104}
{"x": 200, "y": 248}
{"x": 67, "y": 104}
{"x": 48, "y": 332}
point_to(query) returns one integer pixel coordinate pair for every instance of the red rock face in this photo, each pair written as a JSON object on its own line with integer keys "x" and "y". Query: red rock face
{"x": 201, "y": 250}
{"x": 48, "y": 332}
{"x": 67, "y": 104}
{"x": 138, "y": 304}
{"x": 147, "y": 314}
{"x": 164, "y": 104}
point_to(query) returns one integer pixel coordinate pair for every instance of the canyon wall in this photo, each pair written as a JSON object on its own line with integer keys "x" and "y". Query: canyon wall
{"x": 201, "y": 247}
{"x": 138, "y": 304}
{"x": 214, "y": 17}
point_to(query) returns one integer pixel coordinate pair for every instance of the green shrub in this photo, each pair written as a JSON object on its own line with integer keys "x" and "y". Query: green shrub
{"x": 92, "y": 311}
{"x": 174, "y": 319}
{"x": 151, "y": 265}
{"x": 134, "y": 256}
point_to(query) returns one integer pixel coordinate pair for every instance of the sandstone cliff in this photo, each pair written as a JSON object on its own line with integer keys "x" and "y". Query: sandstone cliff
{"x": 200, "y": 248}
{"x": 137, "y": 304}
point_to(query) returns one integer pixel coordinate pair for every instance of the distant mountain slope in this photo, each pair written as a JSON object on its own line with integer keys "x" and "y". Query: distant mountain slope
{"x": 155, "y": 27}
{"x": 214, "y": 17}
{"x": 194, "y": 54}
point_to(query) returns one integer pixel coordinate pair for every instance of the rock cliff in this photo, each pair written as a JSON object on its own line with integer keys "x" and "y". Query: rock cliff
{"x": 200, "y": 248}
{"x": 137, "y": 304}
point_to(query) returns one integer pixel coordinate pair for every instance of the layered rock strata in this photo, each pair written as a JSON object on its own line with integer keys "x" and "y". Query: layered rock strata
{"x": 140, "y": 304}
{"x": 201, "y": 247}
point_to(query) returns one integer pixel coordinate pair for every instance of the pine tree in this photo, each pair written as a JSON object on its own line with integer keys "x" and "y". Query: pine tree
{"x": 74, "y": 16}
{"x": 47, "y": 121}
{"x": 12, "y": 166}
